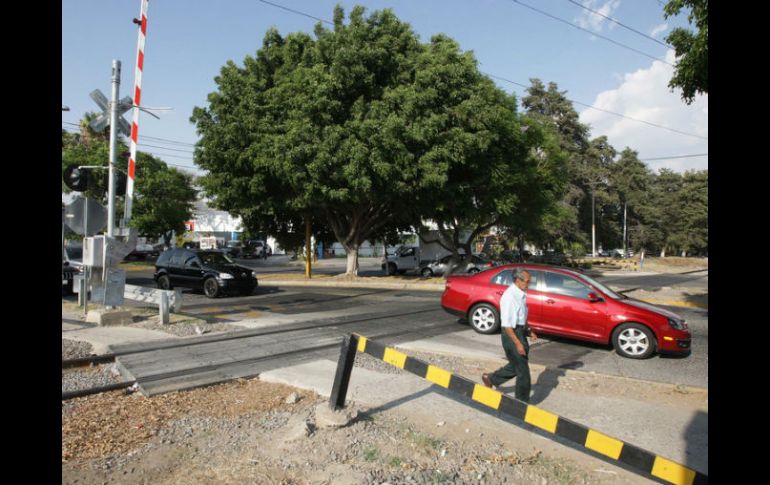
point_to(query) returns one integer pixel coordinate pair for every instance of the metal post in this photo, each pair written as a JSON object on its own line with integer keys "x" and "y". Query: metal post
{"x": 625, "y": 243}
{"x": 307, "y": 248}
{"x": 113, "y": 146}
{"x": 345, "y": 363}
{"x": 86, "y": 268}
{"x": 593, "y": 224}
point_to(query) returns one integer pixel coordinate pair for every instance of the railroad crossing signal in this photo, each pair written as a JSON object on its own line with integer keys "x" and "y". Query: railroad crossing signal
{"x": 104, "y": 119}
{"x": 76, "y": 178}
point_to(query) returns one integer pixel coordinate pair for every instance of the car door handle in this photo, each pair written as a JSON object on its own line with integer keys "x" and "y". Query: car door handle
{"x": 550, "y": 302}
{"x": 499, "y": 293}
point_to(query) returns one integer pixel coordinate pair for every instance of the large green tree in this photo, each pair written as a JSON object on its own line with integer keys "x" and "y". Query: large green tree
{"x": 497, "y": 168}
{"x": 362, "y": 129}
{"x": 692, "y": 49}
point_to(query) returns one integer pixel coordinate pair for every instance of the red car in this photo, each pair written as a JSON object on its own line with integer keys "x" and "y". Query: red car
{"x": 569, "y": 304}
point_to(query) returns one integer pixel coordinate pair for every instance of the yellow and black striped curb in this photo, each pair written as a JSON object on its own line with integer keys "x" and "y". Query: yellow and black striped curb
{"x": 641, "y": 461}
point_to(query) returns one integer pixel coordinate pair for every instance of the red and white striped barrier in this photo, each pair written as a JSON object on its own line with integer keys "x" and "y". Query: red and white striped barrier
{"x": 137, "y": 103}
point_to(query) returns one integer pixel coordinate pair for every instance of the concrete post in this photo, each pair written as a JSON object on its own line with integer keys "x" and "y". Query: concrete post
{"x": 165, "y": 319}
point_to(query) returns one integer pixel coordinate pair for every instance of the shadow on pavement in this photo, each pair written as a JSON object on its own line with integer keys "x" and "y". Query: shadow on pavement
{"x": 696, "y": 437}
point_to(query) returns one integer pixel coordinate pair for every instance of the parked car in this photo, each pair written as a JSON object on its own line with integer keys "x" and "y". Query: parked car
{"x": 569, "y": 304}
{"x": 233, "y": 248}
{"x": 68, "y": 273}
{"x": 211, "y": 270}
{"x": 143, "y": 251}
{"x": 73, "y": 256}
{"x": 255, "y": 249}
{"x": 441, "y": 266}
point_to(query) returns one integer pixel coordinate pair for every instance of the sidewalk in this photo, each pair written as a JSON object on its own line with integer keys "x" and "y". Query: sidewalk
{"x": 679, "y": 432}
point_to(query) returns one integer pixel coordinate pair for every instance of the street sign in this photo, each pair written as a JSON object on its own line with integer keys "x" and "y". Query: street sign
{"x": 75, "y": 213}
{"x": 103, "y": 120}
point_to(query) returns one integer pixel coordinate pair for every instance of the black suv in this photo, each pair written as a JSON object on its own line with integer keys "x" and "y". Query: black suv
{"x": 210, "y": 270}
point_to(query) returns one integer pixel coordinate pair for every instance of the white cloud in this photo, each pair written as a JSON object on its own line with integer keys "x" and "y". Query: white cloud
{"x": 658, "y": 30}
{"x": 645, "y": 95}
{"x": 589, "y": 20}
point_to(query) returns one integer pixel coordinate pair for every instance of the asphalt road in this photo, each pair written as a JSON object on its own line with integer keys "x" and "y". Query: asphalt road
{"x": 273, "y": 304}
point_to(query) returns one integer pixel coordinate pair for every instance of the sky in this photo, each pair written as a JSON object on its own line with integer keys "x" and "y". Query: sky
{"x": 188, "y": 42}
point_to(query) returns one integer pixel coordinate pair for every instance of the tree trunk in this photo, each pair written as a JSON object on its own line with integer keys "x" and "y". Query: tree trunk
{"x": 663, "y": 252}
{"x": 352, "y": 255}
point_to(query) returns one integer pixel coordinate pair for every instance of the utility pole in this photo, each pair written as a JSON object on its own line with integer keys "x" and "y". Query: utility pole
{"x": 593, "y": 222}
{"x": 308, "y": 256}
{"x": 113, "y": 146}
{"x": 625, "y": 216}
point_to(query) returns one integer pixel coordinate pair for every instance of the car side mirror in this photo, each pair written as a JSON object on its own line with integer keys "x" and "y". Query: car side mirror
{"x": 593, "y": 297}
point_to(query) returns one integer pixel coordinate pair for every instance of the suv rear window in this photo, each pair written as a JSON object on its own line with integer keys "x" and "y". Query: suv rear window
{"x": 164, "y": 257}
{"x": 179, "y": 257}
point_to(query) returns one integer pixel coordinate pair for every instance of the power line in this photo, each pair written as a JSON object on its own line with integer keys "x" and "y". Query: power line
{"x": 297, "y": 12}
{"x": 173, "y": 142}
{"x": 590, "y": 32}
{"x": 524, "y": 86}
{"x": 606, "y": 111}
{"x": 671, "y": 158}
{"x": 165, "y": 148}
{"x": 619, "y": 23}
{"x": 159, "y": 154}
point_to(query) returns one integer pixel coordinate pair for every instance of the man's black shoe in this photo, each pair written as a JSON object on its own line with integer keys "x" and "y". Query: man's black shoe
{"x": 485, "y": 379}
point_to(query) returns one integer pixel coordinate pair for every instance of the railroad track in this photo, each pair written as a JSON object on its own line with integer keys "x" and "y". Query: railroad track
{"x": 222, "y": 358}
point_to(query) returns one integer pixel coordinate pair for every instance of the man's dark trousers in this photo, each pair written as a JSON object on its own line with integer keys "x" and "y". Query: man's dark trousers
{"x": 518, "y": 365}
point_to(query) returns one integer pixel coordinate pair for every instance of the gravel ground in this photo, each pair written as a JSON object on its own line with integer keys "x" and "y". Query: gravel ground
{"x": 74, "y": 349}
{"x": 247, "y": 431}
{"x": 96, "y": 376}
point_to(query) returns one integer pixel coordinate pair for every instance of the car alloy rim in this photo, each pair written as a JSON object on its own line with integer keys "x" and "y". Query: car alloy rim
{"x": 633, "y": 341}
{"x": 210, "y": 287}
{"x": 483, "y": 319}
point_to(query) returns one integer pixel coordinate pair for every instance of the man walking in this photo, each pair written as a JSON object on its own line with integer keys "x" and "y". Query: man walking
{"x": 513, "y": 320}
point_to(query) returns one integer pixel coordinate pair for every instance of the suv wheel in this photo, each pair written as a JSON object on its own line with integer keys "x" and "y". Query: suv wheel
{"x": 164, "y": 283}
{"x": 211, "y": 287}
{"x": 426, "y": 273}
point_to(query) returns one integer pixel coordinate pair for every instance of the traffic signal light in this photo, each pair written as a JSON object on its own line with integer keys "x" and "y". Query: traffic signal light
{"x": 76, "y": 178}
{"x": 121, "y": 180}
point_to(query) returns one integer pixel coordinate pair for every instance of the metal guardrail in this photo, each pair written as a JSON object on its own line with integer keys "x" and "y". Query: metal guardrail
{"x": 167, "y": 300}
{"x": 640, "y": 461}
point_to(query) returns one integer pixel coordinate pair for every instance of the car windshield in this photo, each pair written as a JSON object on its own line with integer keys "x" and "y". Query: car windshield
{"x": 214, "y": 258}
{"x": 603, "y": 288}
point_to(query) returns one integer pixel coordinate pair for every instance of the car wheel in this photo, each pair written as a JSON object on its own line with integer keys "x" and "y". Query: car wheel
{"x": 164, "y": 283}
{"x": 484, "y": 318}
{"x": 211, "y": 287}
{"x": 391, "y": 270}
{"x": 634, "y": 341}
{"x": 426, "y": 273}
{"x": 473, "y": 270}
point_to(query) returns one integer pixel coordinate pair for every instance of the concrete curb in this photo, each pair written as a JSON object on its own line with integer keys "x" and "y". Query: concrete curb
{"x": 344, "y": 284}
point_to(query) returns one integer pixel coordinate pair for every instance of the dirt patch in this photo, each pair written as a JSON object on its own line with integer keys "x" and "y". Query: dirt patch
{"x": 247, "y": 431}
{"x": 674, "y": 264}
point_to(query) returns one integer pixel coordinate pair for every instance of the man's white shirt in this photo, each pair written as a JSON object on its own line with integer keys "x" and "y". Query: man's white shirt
{"x": 513, "y": 307}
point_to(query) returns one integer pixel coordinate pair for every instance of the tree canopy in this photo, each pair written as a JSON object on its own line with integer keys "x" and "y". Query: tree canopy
{"x": 365, "y": 130}
{"x": 691, "y": 72}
